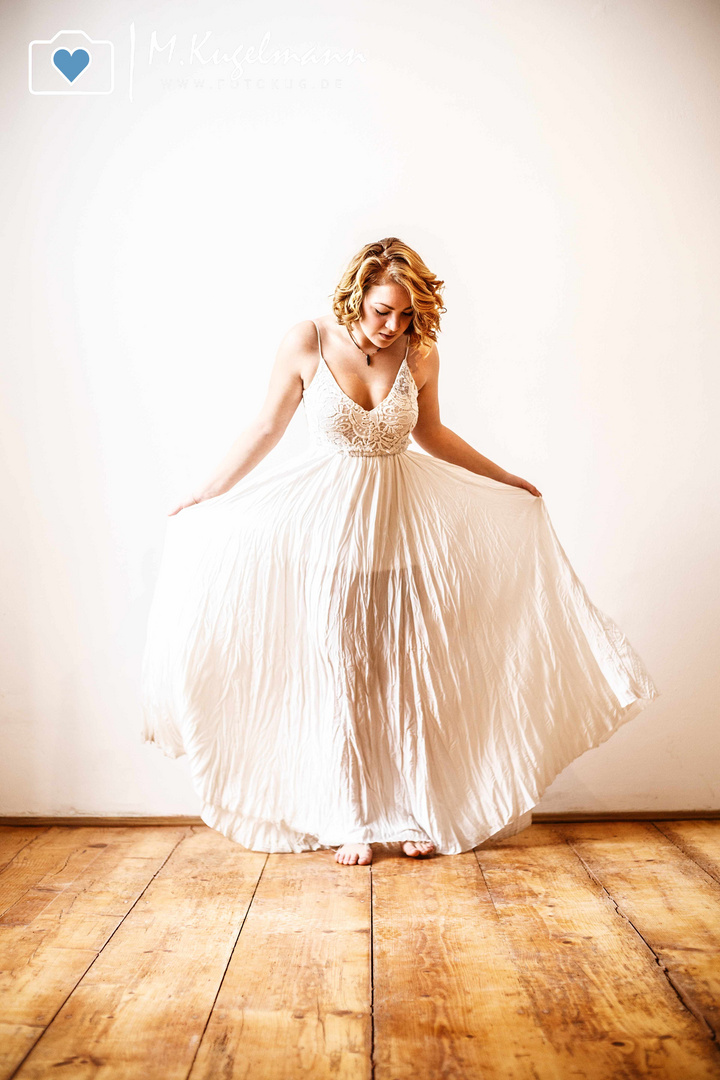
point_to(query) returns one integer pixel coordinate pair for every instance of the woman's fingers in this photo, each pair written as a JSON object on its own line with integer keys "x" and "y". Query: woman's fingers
{"x": 528, "y": 486}
{"x": 181, "y": 506}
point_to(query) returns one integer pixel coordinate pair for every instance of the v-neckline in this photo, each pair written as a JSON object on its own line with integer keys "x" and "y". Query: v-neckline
{"x": 352, "y": 400}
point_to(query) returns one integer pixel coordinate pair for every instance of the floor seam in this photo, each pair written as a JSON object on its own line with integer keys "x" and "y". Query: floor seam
{"x": 683, "y": 851}
{"x": 681, "y": 994}
{"x": 62, "y": 1005}
{"x": 225, "y": 970}
{"x": 372, "y": 980}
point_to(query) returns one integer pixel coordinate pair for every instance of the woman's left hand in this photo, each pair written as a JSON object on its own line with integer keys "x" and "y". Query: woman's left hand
{"x": 517, "y": 481}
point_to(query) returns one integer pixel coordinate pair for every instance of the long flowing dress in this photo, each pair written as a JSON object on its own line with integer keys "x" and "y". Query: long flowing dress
{"x": 370, "y": 644}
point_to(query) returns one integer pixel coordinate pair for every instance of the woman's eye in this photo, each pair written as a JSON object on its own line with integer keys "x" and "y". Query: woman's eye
{"x": 407, "y": 314}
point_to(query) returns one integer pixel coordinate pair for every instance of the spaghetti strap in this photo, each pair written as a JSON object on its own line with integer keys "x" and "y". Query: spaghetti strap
{"x": 317, "y": 329}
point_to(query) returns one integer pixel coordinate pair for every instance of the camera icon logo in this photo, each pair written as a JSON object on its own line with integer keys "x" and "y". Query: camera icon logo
{"x": 71, "y": 63}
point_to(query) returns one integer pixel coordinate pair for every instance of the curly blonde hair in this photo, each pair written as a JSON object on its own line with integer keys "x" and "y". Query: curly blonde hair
{"x": 392, "y": 260}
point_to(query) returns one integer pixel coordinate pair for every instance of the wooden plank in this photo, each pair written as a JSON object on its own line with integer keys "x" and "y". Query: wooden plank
{"x": 669, "y": 899}
{"x": 107, "y": 882}
{"x": 16, "y": 1040}
{"x": 600, "y": 996}
{"x": 449, "y": 999}
{"x": 296, "y": 999}
{"x": 49, "y": 937}
{"x": 13, "y": 840}
{"x": 142, "y": 1007}
{"x": 699, "y": 840}
{"x": 50, "y": 862}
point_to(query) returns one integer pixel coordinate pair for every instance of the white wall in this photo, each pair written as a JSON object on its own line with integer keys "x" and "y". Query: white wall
{"x": 555, "y": 163}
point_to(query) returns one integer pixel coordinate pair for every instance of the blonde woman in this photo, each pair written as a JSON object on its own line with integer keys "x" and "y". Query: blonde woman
{"x": 371, "y": 643}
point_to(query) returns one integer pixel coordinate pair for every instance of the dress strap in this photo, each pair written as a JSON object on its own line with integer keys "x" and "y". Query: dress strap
{"x": 317, "y": 328}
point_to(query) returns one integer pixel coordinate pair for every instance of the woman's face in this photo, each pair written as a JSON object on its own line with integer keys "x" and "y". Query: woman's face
{"x": 386, "y": 313}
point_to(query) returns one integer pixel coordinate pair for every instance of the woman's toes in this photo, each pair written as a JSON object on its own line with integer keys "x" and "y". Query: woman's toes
{"x": 349, "y": 854}
{"x": 419, "y": 848}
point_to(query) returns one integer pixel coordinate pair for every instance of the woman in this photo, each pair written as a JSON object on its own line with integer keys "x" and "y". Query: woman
{"x": 370, "y": 644}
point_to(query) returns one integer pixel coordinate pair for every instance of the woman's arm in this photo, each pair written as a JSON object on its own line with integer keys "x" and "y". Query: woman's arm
{"x": 432, "y": 435}
{"x": 265, "y": 431}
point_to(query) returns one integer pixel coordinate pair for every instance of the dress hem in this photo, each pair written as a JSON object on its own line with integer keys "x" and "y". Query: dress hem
{"x": 234, "y": 825}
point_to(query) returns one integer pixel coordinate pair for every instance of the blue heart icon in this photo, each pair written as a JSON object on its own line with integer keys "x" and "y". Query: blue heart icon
{"x": 71, "y": 64}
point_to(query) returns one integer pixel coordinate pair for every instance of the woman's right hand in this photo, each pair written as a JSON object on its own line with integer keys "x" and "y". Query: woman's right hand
{"x": 192, "y": 501}
{"x": 517, "y": 481}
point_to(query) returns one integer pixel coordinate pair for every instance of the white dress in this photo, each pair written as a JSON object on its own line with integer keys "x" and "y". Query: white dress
{"x": 369, "y": 644}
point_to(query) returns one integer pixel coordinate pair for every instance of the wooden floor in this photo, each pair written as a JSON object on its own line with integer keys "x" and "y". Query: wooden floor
{"x": 567, "y": 951}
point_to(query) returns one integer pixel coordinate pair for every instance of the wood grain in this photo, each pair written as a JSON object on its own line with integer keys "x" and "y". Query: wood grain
{"x": 49, "y": 862}
{"x": 449, "y": 998}
{"x": 670, "y": 900}
{"x": 13, "y": 840}
{"x": 78, "y": 887}
{"x": 296, "y": 998}
{"x": 602, "y": 999}
{"x": 142, "y": 1005}
{"x": 571, "y": 950}
{"x": 698, "y": 840}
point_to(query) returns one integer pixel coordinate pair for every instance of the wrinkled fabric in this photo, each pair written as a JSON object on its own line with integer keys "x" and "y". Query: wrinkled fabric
{"x": 369, "y": 644}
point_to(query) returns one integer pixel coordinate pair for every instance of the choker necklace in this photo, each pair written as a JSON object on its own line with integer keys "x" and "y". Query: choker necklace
{"x": 367, "y": 355}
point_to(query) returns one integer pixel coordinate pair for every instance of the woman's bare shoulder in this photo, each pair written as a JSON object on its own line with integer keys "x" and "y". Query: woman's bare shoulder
{"x": 298, "y": 354}
{"x": 423, "y": 361}
{"x": 302, "y": 335}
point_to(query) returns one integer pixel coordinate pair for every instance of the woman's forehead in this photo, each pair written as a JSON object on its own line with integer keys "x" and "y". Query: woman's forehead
{"x": 390, "y": 291}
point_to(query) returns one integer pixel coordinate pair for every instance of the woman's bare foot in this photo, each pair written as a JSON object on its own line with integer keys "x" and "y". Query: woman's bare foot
{"x": 354, "y": 853}
{"x": 422, "y": 847}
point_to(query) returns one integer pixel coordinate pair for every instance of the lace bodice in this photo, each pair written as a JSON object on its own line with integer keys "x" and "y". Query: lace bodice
{"x": 336, "y": 421}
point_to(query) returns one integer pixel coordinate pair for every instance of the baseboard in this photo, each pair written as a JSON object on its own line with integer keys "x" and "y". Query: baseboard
{"x": 92, "y": 820}
{"x": 28, "y": 820}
